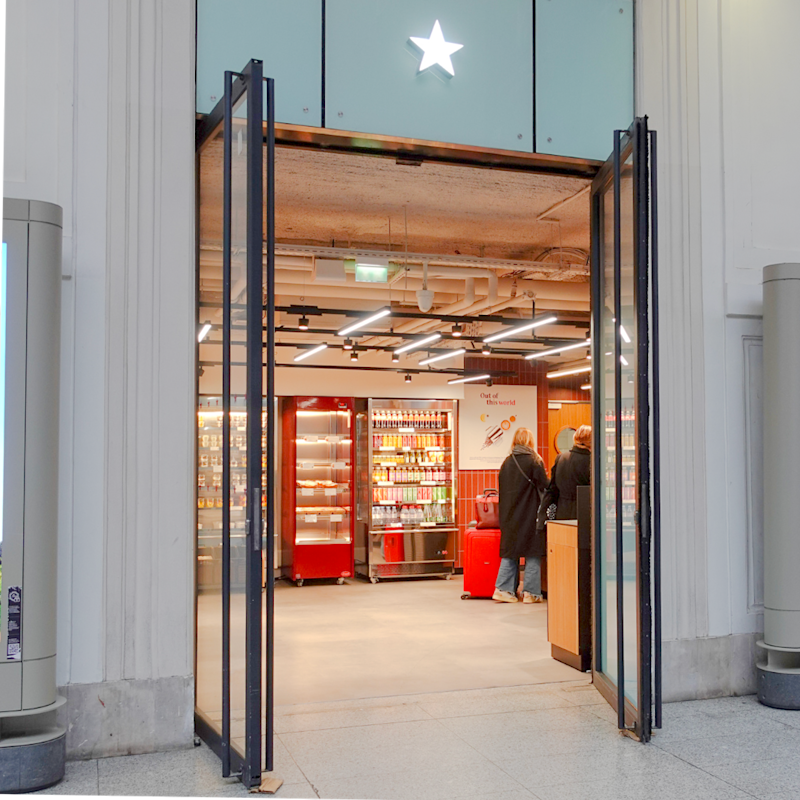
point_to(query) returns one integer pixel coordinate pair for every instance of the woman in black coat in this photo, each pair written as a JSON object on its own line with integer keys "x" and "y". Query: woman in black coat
{"x": 570, "y": 470}
{"x": 523, "y": 479}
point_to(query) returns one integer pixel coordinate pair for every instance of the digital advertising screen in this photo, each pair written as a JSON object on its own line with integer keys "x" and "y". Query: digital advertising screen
{"x": 3, "y": 283}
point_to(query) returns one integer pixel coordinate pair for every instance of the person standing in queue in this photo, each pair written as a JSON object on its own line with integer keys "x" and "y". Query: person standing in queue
{"x": 570, "y": 470}
{"x": 523, "y": 479}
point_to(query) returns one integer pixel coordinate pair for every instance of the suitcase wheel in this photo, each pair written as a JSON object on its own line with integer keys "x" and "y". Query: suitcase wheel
{"x": 465, "y": 596}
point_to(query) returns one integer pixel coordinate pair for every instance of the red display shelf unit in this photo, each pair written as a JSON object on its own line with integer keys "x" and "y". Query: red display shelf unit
{"x": 318, "y": 472}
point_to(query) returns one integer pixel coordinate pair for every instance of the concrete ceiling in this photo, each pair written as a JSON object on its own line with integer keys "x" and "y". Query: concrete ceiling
{"x": 326, "y": 198}
{"x": 340, "y": 200}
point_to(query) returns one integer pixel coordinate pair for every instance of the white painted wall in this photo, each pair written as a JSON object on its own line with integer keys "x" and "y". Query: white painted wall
{"x": 718, "y": 80}
{"x": 100, "y": 119}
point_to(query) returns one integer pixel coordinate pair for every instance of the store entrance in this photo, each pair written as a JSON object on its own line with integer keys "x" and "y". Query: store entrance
{"x": 423, "y": 311}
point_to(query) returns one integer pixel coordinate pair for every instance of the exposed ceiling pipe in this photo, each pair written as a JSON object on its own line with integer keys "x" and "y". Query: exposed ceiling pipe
{"x": 506, "y": 287}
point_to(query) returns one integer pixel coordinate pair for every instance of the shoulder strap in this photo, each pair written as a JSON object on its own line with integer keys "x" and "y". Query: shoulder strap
{"x": 527, "y": 478}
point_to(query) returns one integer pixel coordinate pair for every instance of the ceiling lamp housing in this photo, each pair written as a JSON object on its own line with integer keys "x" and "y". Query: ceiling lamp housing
{"x": 496, "y": 337}
{"x": 362, "y": 323}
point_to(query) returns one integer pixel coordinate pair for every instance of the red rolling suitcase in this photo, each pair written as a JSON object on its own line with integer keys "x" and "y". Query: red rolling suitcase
{"x": 481, "y": 562}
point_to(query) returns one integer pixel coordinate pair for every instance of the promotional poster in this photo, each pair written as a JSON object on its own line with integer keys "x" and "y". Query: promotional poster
{"x": 488, "y": 417}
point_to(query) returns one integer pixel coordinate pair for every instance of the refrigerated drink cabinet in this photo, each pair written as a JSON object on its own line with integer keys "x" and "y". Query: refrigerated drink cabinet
{"x": 318, "y": 449}
{"x": 406, "y": 523}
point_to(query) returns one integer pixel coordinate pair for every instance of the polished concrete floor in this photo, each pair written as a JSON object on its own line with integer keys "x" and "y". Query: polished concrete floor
{"x": 360, "y": 640}
{"x": 545, "y": 742}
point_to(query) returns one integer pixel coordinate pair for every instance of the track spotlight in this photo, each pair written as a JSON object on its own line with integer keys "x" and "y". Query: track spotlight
{"x": 353, "y": 355}
{"x": 456, "y": 331}
{"x": 303, "y": 324}
{"x": 395, "y": 358}
{"x": 408, "y": 377}
{"x": 348, "y": 344}
{"x": 486, "y": 349}
{"x": 489, "y": 382}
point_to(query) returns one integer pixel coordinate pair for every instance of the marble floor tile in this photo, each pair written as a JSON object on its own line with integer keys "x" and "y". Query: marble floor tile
{"x": 378, "y": 750}
{"x": 622, "y": 764}
{"x": 569, "y": 741}
{"x": 612, "y": 790}
{"x": 703, "y": 725}
{"x": 779, "y": 741}
{"x": 187, "y": 773}
{"x": 490, "y": 701}
{"x": 762, "y": 778}
{"x": 80, "y": 777}
{"x": 319, "y": 717}
{"x": 483, "y": 781}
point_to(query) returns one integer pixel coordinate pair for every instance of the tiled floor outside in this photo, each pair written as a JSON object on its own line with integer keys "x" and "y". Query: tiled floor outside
{"x": 551, "y": 742}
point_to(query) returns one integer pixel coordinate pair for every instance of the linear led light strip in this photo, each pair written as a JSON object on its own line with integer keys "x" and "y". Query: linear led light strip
{"x": 204, "y": 332}
{"x": 556, "y": 350}
{"x": 362, "y": 323}
{"x": 308, "y": 353}
{"x": 419, "y": 343}
{"x": 451, "y": 354}
{"x": 471, "y": 378}
{"x": 495, "y": 337}
{"x": 562, "y": 373}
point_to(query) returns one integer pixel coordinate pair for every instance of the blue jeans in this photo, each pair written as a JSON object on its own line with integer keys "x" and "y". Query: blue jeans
{"x": 508, "y": 575}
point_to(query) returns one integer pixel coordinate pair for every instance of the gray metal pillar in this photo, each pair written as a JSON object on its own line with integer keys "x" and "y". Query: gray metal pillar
{"x": 779, "y": 668}
{"x": 32, "y": 745}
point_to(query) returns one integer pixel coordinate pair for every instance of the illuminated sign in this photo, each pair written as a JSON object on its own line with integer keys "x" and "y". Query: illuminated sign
{"x": 436, "y": 51}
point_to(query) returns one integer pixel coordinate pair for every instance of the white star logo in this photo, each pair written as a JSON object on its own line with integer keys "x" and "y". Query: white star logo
{"x": 436, "y": 51}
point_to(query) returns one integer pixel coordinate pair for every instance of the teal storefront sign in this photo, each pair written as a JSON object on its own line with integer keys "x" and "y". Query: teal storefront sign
{"x": 550, "y": 76}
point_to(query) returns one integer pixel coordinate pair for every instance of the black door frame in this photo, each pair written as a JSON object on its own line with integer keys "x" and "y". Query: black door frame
{"x": 261, "y": 129}
{"x": 250, "y": 86}
{"x": 639, "y": 143}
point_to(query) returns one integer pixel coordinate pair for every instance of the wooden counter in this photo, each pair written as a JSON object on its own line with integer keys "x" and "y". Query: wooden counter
{"x": 569, "y": 594}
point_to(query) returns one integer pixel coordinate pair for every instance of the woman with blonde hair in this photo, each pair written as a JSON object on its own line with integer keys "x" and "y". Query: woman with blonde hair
{"x": 570, "y": 470}
{"x": 522, "y": 481}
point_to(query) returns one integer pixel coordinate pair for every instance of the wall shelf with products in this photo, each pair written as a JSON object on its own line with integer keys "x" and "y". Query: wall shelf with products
{"x": 407, "y": 490}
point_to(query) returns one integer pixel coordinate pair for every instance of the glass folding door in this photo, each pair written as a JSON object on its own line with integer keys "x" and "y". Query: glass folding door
{"x": 235, "y": 427}
{"x": 624, "y": 361}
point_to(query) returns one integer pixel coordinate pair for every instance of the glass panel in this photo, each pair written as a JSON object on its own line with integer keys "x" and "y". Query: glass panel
{"x": 605, "y": 394}
{"x": 210, "y": 465}
{"x": 239, "y": 430}
{"x": 627, "y": 332}
{"x": 618, "y": 430}
{"x": 208, "y": 670}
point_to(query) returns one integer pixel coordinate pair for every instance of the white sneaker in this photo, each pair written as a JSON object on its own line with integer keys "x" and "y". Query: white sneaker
{"x": 527, "y": 597}
{"x": 505, "y": 597}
